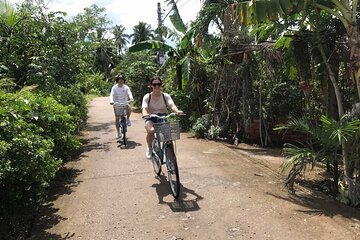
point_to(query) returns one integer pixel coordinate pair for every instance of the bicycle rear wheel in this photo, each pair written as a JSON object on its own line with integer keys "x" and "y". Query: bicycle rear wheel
{"x": 156, "y": 159}
{"x": 173, "y": 172}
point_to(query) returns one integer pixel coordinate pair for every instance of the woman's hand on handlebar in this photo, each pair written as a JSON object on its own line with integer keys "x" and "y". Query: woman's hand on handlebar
{"x": 180, "y": 113}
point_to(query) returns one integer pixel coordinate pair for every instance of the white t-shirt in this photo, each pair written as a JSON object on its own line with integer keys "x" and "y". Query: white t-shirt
{"x": 158, "y": 106}
{"x": 120, "y": 94}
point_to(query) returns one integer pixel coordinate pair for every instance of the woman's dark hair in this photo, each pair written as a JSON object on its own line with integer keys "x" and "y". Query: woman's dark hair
{"x": 155, "y": 78}
{"x": 120, "y": 76}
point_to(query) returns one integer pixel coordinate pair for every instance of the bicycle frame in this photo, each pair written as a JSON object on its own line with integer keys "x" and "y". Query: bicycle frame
{"x": 122, "y": 108}
{"x": 166, "y": 149}
{"x": 163, "y": 146}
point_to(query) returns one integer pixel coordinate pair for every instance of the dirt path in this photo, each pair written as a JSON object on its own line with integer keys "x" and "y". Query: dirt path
{"x": 227, "y": 193}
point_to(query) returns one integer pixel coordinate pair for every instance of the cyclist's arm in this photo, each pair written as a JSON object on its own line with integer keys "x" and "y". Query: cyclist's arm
{"x": 171, "y": 104}
{"x": 112, "y": 96}
{"x": 144, "y": 105}
{"x": 175, "y": 109}
{"x": 145, "y": 112}
{"x": 131, "y": 98}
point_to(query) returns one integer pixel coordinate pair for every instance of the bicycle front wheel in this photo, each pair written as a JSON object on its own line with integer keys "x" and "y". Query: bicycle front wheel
{"x": 173, "y": 172}
{"x": 156, "y": 159}
{"x": 124, "y": 130}
{"x": 124, "y": 138}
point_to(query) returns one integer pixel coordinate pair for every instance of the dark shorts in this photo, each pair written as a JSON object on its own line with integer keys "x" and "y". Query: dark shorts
{"x": 156, "y": 120}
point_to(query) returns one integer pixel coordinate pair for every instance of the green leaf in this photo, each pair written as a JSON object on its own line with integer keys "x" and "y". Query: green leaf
{"x": 283, "y": 42}
{"x": 175, "y": 18}
{"x": 148, "y": 45}
{"x": 273, "y": 9}
{"x": 286, "y": 6}
{"x": 178, "y": 23}
{"x": 260, "y": 11}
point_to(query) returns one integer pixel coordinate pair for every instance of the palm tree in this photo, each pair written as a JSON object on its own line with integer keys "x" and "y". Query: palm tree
{"x": 325, "y": 141}
{"x": 142, "y": 32}
{"x": 121, "y": 39}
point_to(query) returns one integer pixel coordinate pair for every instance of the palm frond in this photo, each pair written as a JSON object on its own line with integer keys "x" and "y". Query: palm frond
{"x": 344, "y": 129}
{"x": 301, "y": 125}
{"x": 299, "y": 155}
{"x": 8, "y": 14}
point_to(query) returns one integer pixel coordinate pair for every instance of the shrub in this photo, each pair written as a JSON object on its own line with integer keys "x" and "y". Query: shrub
{"x": 95, "y": 84}
{"x": 200, "y": 127}
{"x": 36, "y": 134}
{"x": 76, "y": 102}
{"x": 27, "y": 162}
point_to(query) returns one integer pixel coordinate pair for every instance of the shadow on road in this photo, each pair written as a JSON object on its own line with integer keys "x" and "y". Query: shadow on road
{"x": 99, "y": 127}
{"x": 320, "y": 205}
{"x": 130, "y": 144}
{"x": 63, "y": 184}
{"x": 183, "y": 204}
{"x": 272, "y": 152}
{"x": 91, "y": 144}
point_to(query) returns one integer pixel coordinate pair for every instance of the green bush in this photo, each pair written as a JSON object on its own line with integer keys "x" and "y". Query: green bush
{"x": 202, "y": 128}
{"x": 36, "y": 133}
{"x": 76, "y": 102}
{"x": 96, "y": 84}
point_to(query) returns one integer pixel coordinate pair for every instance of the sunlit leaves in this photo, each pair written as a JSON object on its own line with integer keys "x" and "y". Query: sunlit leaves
{"x": 149, "y": 45}
{"x": 265, "y": 10}
{"x": 8, "y": 14}
{"x": 175, "y": 18}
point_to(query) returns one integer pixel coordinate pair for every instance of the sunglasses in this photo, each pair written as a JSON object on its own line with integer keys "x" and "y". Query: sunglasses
{"x": 156, "y": 84}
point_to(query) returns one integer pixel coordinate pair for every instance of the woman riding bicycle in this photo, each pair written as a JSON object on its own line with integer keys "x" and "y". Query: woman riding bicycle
{"x": 121, "y": 93}
{"x": 155, "y": 102}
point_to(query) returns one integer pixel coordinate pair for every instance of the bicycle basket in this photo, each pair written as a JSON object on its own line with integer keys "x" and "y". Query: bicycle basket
{"x": 120, "y": 110}
{"x": 167, "y": 131}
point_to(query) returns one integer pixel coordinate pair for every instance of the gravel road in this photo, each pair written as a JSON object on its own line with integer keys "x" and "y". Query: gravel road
{"x": 228, "y": 192}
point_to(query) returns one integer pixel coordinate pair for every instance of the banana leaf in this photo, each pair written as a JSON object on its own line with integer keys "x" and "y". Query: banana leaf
{"x": 148, "y": 45}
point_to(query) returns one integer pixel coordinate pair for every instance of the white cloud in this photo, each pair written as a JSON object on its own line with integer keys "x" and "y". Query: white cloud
{"x": 128, "y": 12}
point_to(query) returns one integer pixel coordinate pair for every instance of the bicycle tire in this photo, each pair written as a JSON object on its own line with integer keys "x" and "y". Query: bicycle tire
{"x": 124, "y": 139}
{"x": 173, "y": 171}
{"x": 156, "y": 160}
{"x": 123, "y": 130}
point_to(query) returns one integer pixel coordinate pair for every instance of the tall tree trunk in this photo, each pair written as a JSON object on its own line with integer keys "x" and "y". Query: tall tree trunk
{"x": 347, "y": 163}
{"x": 354, "y": 44}
{"x": 302, "y": 56}
{"x": 179, "y": 76}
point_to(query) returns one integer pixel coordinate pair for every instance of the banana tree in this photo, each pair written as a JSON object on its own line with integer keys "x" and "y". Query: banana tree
{"x": 345, "y": 11}
{"x": 181, "y": 56}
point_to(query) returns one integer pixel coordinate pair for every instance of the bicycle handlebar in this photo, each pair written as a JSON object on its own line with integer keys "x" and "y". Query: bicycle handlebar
{"x": 164, "y": 117}
{"x": 121, "y": 104}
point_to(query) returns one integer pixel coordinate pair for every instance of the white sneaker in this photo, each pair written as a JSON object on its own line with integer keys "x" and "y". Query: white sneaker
{"x": 148, "y": 153}
{"x": 128, "y": 122}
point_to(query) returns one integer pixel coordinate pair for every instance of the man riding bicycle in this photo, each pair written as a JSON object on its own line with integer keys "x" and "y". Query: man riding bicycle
{"x": 121, "y": 93}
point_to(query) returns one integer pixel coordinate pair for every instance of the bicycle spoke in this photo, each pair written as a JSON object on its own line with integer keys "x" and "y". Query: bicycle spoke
{"x": 156, "y": 159}
{"x": 173, "y": 172}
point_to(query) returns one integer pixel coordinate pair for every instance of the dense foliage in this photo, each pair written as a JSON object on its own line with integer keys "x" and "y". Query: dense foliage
{"x": 269, "y": 62}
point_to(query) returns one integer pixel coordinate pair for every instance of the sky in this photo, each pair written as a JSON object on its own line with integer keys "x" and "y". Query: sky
{"x": 128, "y": 12}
